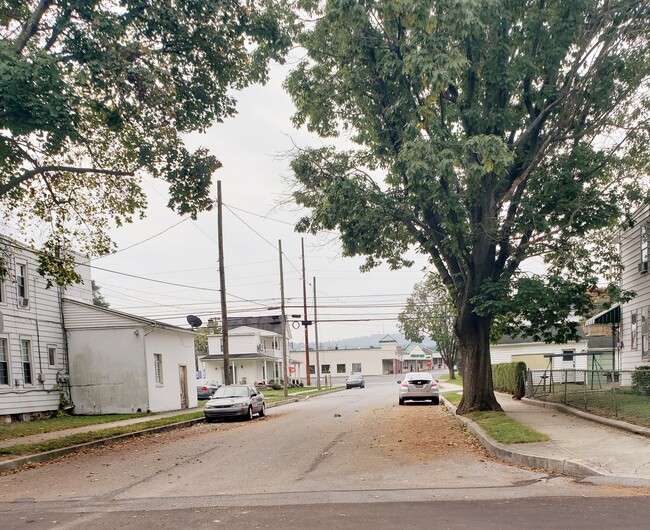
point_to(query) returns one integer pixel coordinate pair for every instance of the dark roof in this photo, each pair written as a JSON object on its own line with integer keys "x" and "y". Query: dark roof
{"x": 268, "y": 323}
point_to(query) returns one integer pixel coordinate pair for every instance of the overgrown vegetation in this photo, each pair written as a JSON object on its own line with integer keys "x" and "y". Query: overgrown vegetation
{"x": 641, "y": 380}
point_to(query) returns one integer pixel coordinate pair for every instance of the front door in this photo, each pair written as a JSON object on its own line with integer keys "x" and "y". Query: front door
{"x": 182, "y": 374}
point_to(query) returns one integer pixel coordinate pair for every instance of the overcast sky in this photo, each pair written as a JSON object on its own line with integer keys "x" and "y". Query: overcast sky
{"x": 253, "y": 148}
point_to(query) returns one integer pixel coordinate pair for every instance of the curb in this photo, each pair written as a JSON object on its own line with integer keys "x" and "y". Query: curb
{"x": 505, "y": 452}
{"x": 617, "y": 424}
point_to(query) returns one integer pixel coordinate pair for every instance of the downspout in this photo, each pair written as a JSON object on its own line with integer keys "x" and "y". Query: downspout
{"x": 64, "y": 381}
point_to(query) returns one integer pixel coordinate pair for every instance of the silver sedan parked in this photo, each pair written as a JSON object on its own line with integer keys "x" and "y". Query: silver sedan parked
{"x": 418, "y": 386}
{"x": 231, "y": 401}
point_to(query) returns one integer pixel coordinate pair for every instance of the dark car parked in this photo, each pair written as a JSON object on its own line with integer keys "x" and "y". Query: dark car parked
{"x": 355, "y": 381}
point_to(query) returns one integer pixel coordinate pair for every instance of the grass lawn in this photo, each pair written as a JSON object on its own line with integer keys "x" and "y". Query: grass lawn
{"x": 504, "y": 429}
{"x": 453, "y": 397}
{"x": 26, "y": 428}
{"x": 621, "y": 405}
{"x": 74, "y": 439}
{"x": 458, "y": 380}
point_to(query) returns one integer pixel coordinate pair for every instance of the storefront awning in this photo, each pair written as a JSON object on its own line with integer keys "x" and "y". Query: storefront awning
{"x": 609, "y": 316}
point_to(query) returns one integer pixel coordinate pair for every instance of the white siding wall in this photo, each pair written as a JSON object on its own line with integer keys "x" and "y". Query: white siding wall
{"x": 630, "y": 244}
{"x": 177, "y": 349}
{"x": 39, "y": 321}
{"x": 502, "y": 353}
{"x": 108, "y": 371}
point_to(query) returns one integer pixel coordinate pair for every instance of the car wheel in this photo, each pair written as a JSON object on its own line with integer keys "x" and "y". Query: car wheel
{"x": 435, "y": 401}
{"x": 249, "y": 414}
{"x": 263, "y": 411}
{"x": 401, "y": 401}
{"x": 210, "y": 420}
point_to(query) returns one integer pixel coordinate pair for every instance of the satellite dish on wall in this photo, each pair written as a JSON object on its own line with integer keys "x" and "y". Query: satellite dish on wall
{"x": 194, "y": 321}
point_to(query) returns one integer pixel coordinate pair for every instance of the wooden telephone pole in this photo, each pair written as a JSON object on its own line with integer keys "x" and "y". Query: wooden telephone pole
{"x": 222, "y": 292}
{"x": 305, "y": 322}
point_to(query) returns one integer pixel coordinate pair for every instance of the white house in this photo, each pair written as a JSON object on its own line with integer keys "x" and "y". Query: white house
{"x": 122, "y": 363}
{"x": 254, "y": 348}
{"x": 382, "y": 360}
{"x": 34, "y": 363}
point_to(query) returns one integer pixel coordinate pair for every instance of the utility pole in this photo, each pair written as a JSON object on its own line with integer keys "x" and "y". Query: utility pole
{"x": 284, "y": 324}
{"x": 305, "y": 322}
{"x": 222, "y": 292}
{"x": 316, "y": 339}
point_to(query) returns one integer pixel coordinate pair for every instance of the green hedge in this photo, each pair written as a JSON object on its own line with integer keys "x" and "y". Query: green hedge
{"x": 510, "y": 378}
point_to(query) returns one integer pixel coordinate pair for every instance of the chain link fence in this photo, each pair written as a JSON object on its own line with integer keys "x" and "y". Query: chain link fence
{"x": 618, "y": 394}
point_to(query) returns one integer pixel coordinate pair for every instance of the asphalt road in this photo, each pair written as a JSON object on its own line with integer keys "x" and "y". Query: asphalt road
{"x": 347, "y": 459}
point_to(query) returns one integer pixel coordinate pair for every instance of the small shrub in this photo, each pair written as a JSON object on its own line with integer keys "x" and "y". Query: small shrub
{"x": 641, "y": 380}
{"x": 276, "y": 386}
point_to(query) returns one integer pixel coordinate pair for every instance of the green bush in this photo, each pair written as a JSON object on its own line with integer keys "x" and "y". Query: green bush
{"x": 510, "y": 378}
{"x": 276, "y": 386}
{"x": 641, "y": 380}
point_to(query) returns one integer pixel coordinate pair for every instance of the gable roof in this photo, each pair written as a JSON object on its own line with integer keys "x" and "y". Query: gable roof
{"x": 81, "y": 315}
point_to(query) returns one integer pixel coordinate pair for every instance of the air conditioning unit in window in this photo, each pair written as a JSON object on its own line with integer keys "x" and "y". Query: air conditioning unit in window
{"x": 643, "y": 266}
{"x": 23, "y": 302}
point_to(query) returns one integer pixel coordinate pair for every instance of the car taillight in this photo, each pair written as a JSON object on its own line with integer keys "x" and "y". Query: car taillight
{"x": 405, "y": 384}
{"x": 204, "y": 388}
{"x": 434, "y": 383}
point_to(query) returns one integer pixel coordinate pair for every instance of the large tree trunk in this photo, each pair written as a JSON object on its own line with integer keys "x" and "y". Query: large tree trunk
{"x": 474, "y": 341}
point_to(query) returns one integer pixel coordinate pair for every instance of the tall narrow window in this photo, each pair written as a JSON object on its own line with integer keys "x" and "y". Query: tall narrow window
{"x": 21, "y": 284}
{"x": 4, "y": 362}
{"x": 634, "y": 329}
{"x": 158, "y": 368}
{"x": 51, "y": 354}
{"x": 644, "y": 242}
{"x": 26, "y": 354}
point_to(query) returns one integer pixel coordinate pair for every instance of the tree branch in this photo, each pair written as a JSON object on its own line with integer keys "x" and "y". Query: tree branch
{"x": 31, "y": 26}
{"x": 14, "y": 183}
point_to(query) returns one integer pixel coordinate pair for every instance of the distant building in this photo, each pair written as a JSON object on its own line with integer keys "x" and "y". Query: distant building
{"x": 383, "y": 360}
{"x": 417, "y": 358}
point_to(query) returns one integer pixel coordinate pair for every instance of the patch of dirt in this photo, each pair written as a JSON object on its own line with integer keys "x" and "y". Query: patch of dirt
{"x": 420, "y": 430}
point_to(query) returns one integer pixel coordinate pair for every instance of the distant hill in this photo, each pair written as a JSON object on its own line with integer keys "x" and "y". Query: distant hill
{"x": 359, "y": 342}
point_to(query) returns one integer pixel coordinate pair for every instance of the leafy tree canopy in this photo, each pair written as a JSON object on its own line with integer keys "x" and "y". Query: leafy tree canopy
{"x": 95, "y": 94}
{"x": 430, "y": 312}
{"x": 487, "y": 132}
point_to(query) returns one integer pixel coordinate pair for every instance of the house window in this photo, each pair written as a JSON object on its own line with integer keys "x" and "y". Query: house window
{"x": 644, "y": 243}
{"x": 312, "y": 369}
{"x": 21, "y": 283}
{"x": 51, "y": 354}
{"x": 325, "y": 368}
{"x": 4, "y": 362}
{"x": 634, "y": 329}
{"x": 356, "y": 368}
{"x": 26, "y": 356}
{"x": 340, "y": 368}
{"x": 567, "y": 355}
{"x": 3, "y": 296}
{"x": 158, "y": 368}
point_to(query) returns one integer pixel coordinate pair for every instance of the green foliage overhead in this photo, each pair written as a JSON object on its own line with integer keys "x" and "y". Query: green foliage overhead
{"x": 94, "y": 95}
{"x": 486, "y": 133}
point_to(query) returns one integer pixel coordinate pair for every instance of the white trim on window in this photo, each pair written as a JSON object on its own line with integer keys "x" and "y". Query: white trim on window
{"x": 52, "y": 355}
{"x": 27, "y": 362}
{"x": 5, "y": 362}
{"x": 158, "y": 368}
{"x": 22, "y": 284}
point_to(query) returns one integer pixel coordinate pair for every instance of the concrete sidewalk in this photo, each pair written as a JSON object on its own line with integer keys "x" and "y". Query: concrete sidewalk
{"x": 605, "y": 450}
